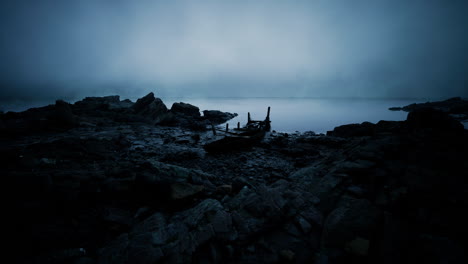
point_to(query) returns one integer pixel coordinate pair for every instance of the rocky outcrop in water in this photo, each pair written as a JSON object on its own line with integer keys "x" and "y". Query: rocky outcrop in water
{"x": 218, "y": 117}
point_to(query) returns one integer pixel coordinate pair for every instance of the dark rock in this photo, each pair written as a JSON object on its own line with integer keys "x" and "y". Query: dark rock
{"x": 184, "y": 190}
{"x": 185, "y": 109}
{"x": 355, "y": 219}
{"x": 105, "y": 103}
{"x": 395, "y": 108}
{"x": 239, "y": 183}
{"x": 151, "y": 107}
{"x": 104, "y": 100}
{"x": 455, "y": 105}
{"x": 63, "y": 114}
{"x": 353, "y": 130}
{"x": 432, "y": 118}
{"x": 218, "y": 117}
{"x": 224, "y": 189}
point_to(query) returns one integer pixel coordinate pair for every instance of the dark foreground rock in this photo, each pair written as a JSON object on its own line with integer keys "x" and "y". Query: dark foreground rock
{"x": 109, "y": 190}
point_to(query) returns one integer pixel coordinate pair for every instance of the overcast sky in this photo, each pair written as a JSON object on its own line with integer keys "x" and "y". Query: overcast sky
{"x": 373, "y": 48}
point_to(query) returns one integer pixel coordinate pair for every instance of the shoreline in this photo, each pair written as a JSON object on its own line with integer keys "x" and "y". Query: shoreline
{"x": 111, "y": 181}
{"x": 318, "y": 115}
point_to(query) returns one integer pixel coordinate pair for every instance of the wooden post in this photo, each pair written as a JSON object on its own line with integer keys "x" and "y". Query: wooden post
{"x": 267, "y": 120}
{"x": 238, "y": 125}
{"x": 227, "y": 127}
{"x": 213, "y": 129}
{"x": 248, "y": 118}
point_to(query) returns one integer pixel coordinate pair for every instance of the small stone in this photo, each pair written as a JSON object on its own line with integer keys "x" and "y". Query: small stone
{"x": 251, "y": 248}
{"x": 358, "y": 246}
{"x": 305, "y": 226}
{"x": 183, "y": 190}
{"x": 225, "y": 189}
{"x": 287, "y": 254}
{"x": 356, "y": 190}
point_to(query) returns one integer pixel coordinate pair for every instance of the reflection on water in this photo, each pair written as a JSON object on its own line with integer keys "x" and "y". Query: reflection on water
{"x": 287, "y": 114}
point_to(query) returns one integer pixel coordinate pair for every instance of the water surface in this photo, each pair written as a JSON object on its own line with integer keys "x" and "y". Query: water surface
{"x": 303, "y": 114}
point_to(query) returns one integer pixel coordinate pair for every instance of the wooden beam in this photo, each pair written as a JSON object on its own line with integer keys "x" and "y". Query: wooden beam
{"x": 213, "y": 129}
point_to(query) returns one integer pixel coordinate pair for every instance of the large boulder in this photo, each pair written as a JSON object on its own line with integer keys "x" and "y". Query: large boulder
{"x": 151, "y": 107}
{"x": 350, "y": 228}
{"x": 62, "y": 116}
{"x": 353, "y": 130}
{"x": 433, "y": 119}
{"x": 185, "y": 109}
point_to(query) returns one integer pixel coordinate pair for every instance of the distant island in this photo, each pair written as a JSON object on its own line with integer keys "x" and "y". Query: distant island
{"x": 106, "y": 180}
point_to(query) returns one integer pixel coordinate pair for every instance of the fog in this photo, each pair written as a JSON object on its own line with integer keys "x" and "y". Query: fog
{"x": 390, "y": 49}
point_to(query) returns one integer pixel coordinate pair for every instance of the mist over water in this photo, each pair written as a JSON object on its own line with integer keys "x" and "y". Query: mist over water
{"x": 368, "y": 49}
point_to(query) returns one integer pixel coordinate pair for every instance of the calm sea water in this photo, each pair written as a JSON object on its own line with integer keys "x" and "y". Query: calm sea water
{"x": 302, "y": 114}
{"x": 287, "y": 114}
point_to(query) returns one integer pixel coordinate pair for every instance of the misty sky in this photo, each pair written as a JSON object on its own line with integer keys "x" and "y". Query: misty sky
{"x": 374, "y": 48}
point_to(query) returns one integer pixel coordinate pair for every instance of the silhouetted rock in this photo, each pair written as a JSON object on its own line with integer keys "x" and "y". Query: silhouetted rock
{"x": 103, "y": 100}
{"x": 101, "y": 103}
{"x": 455, "y": 105}
{"x": 151, "y": 107}
{"x": 185, "y": 109}
{"x": 218, "y": 117}
{"x": 353, "y": 130}
{"x": 63, "y": 115}
{"x": 432, "y": 118}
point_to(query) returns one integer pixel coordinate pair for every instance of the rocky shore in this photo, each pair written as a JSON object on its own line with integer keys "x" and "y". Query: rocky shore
{"x": 106, "y": 180}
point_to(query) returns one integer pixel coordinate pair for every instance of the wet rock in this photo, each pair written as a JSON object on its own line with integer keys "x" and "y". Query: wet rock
{"x": 154, "y": 172}
{"x": 68, "y": 255}
{"x": 151, "y": 107}
{"x": 222, "y": 222}
{"x": 224, "y": 189}
{"x": 184, "y": 190}
{"x": 118, "y": 216}
{"x": 287, "y": 254}
{"x": 182, "y": 155}
{"x": 431, "y": 118}
{"x": 354, "y": 218}
{"x": 353, "y": 130}
{"x": 453, "y": 105}
{"x": 218, "y": 117}
{"x": 115, "y": 251}
{"x": 89, "y": 105}
{"x": 63, "y": 115}
{"x": 356, "y": 190}
{"x": 358, "y": 246}
{"x": 185, "y": 109}
{"x": 238, "y": 183}
{"x": 105, "y": 99}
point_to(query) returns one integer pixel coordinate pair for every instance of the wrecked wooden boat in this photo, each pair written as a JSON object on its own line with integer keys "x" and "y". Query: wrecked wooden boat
{"x": 242, "y": 138}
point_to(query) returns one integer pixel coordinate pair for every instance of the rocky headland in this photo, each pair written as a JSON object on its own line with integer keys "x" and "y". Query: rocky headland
{"x": 106, "y": 180}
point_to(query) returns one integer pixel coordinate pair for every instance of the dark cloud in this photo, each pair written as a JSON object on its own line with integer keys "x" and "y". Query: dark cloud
{"x": 238, "y": 48}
